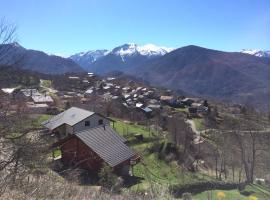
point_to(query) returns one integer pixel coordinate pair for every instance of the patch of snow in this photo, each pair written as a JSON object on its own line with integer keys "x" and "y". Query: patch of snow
{"x": 145, "y": 50}
{"x": 256, "y": 52}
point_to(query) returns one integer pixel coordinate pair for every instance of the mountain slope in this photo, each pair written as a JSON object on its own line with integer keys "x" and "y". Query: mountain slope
{"x": 123, "y": 58}
{"x": 206, "y": 72}
{"x": 85, "y": 59}
{"x": 16, "y": 55}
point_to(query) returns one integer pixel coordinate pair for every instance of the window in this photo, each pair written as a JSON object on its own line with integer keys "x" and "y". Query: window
{"x": 87, "y": 123}
{"x": 100, "y": 122}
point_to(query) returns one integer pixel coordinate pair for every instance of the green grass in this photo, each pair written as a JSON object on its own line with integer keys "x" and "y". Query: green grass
{"x": 36, "y": 122}
{"x": 229, "y": 195}
{"x": 128, "y": 129}
{"x": 57, "y": 153}
{"x": 198, "y": 123}
{"x": 152, "y": 169}
{"x": 261, "y": 192}
{"x": 46, "y": 83}
{"x": 184, "y": 110}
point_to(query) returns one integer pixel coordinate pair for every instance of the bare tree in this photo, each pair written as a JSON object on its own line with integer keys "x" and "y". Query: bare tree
{"x": 7, "y": 36}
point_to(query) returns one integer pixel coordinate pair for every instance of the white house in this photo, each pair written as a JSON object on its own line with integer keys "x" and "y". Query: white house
{"x": 73, "y": 120}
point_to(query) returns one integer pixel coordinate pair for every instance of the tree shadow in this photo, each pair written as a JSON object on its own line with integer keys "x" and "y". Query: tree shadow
{"x": 130, "y": 181}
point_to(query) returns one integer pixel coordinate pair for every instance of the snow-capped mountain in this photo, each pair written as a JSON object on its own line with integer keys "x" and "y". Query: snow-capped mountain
{"x": 145, "y": 50}
{"x": 121, "y": 57}
{"x": 256, "y": 52}
{"x": 86, "y": 58}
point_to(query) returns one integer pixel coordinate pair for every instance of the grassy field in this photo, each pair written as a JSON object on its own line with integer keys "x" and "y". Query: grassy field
{"x": 46, "y": 83}
{"x": 152, "y": 169}
{"x": 38, "y": 119}
{"x": 184, "y": 110}
{"x": 198, "y": 123}
{"x": 256, "y": 191}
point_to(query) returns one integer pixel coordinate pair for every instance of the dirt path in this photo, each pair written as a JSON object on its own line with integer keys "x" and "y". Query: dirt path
{"x": 47, "y": 88}
{"x": 197, "y": 139}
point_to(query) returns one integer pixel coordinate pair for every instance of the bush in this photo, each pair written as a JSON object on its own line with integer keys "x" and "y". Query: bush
{"x": 187, "y": 196}
{"x": 106, "y": 176}
{"x": 221, "y": 195}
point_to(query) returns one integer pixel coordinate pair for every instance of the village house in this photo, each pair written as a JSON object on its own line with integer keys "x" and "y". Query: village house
{"x": 74, "y": 77}
{"x": 147, "y": 111}
{"x": 187, "y": 101}
{"x": 8, "y": 91}
{"x": 42, "y": 99}
{"x": 154, "y": 106}
{"x": 90, "y": 74}
{"x": 89, "y": 92}
{"x": 110, "y": 78}
{"x": 74, "y": 119}
{"x": 87, "y": 141}
{"x": 197, "y": 108}
{"x": 200, "y": 107}
{"x": 37, "y": 108}
{"x": 171, "y": 101}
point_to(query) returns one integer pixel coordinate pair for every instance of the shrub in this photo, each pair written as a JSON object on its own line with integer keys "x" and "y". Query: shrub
{"x": 253, "y": 198}
{"x": 187, "y": 196}
{"x": 220, "y": 195}
{"x": 106, "y": 177}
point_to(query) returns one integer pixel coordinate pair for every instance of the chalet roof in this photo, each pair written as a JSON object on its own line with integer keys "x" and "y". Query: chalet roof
{"x": 30, "y": 92}
{"x": 166, "y": 98}
{"x": 42, "y": 99}
{"x": 71, "y": 117}
{"x": 104, "y": 141}
{"x": 196, "y": 105}
{"x": 153, "y": 106}
{"x": 139, "y": 105}
{"x": 147, "y": 109}
{"x": 8, "y": 90}
{"x": 110, "y": 78}
{"x": 89, "y": 91}
{"x": 41, "y": 105}
{"x": 74, "y": 77}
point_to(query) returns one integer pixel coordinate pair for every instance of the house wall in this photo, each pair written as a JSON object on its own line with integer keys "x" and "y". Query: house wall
{"x": 69, "y": 129}
{"x": 93, "y": 123}
{"x": 75, "y": 152}
{"x": 60, "y": 132}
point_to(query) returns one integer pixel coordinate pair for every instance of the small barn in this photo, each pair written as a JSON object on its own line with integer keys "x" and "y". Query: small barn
{"x": 187, "y": 101}
{"x": 86, "y": 140}
{"x": 89, "y": 149}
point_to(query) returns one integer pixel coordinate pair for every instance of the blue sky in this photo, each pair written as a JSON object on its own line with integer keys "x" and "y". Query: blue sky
{"x": 71, "y": 26}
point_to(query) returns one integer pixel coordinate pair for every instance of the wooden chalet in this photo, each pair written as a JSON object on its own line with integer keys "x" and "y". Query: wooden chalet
{"x": 87, "y": 141}
{"x": 74, "y": 120}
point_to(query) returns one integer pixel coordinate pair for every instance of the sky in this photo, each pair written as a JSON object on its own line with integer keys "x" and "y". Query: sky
{"x": 65, "y": 27}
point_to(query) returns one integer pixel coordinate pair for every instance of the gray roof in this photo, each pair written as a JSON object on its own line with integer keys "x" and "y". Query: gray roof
{"x": 147, "y": 109}
{"x": 71, "y": 117}
{"x": 42, "y": 99}
{"x": 107, "y": 144}
{"x": 29, "y": 92}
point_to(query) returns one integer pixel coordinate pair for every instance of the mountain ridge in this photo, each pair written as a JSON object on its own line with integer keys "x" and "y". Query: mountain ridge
{"x": 120, "y": 56}
{"x": 16, "y": 55}
{"x": 224, "y": 75}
